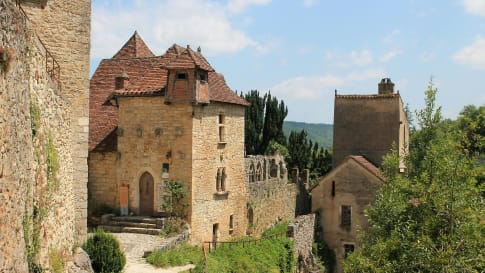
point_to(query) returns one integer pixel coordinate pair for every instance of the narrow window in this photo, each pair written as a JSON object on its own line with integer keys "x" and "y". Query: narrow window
{"x": 348, "y": 248}
{"x": 346, "y": 216}
{"x": 218, "y": 180}
{"x": 181, "y": 76}
{"x": 231, "y": 224}
{"x": 333, "y": 188}
{"x": 215, "y": 234}
{"x": 223, "y": 180}
{"x": 221, "y": 118}
{"x": 221, "y": 134}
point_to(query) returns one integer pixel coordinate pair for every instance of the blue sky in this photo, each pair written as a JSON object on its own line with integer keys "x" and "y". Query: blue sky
{"x": 302, "y": 50}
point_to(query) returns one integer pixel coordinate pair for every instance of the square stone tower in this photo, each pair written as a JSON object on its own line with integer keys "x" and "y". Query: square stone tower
{"x": 368, "y": 125}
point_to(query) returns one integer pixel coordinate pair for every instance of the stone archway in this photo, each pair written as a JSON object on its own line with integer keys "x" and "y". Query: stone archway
{"x": 146, "y": 191}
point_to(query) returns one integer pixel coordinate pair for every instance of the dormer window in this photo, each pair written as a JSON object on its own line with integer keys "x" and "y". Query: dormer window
{"x": 182, "y": 76}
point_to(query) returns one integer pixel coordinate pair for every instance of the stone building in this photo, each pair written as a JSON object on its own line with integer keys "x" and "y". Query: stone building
{"x": 168, "y": 118}
{"x": 365, "y": 129}
{"x": 44, "y": 77}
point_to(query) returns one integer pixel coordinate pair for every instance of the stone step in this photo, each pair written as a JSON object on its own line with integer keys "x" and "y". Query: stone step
{"x": 137, "y": 219}
{"x": 118, "y": 229}
{"x": 132, "y": 224}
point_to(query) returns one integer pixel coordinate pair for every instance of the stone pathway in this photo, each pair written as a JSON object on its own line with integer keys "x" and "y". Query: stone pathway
{"x": 135, "y": 246}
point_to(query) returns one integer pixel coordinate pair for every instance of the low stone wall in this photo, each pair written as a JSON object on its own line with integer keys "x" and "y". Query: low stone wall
{"x": 301, "y": 229}
{"x": 270, "y": 197}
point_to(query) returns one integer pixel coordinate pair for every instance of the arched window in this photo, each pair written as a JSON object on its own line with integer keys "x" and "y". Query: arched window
{"x": 251, "y": 173}
{"x": 259, "y": 172}
{"x": 273, "y": 169}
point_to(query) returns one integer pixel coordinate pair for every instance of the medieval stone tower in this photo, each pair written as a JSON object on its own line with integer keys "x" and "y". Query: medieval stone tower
{"x": 44, "y": 86}
{"x": 368, "y": 125}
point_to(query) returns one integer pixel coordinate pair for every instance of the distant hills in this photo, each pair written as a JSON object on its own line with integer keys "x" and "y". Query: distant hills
{"x": 317, "y": 132}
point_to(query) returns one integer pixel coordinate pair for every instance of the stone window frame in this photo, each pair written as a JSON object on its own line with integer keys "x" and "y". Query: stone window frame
{"x": 252, "y": 173}
{"x": 221, "y": 180}
{"x": 346, "y": 217}
{"x": 221, "y": 120}
{"x": 231, "y": 224}
{"x": 333, "y": 188}
{"x": 348, "y": 248}
{"x": 259, "y": 172}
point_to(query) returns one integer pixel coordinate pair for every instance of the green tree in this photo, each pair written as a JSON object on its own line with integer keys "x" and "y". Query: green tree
{"x": 300, "y": 150}
{"x": 254, "y": 121}
{"x": 274, "y": 116}
{"x": 432, "y": 218}
{"x": 471, "y": 124}
{"x": 263, "y": 122}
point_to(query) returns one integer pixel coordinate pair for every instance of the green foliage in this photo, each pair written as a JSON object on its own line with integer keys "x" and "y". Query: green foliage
{"x": 323, "y": 253}
{"x": 275, "y": 146}
{"x": 56, "y": 261}
{"x": 34, "y": 118}
{"x": 263, "y": 122}
{"x": 276, "y": 231}
{"x": 254, "y": 121}
{"x": 180, "y": 255}
{"x": 306, "y": 155}
{"x": 52, "y": 165}
{"x": 105, "y": 253}
{"x": 471, "y": 124}
{"x": 173, "y": 202}
{"x": 266, "y": 255}
{"x": 432, "y": 218}
{"x": 172, "y": 227}
{"x": 317, "y": 132}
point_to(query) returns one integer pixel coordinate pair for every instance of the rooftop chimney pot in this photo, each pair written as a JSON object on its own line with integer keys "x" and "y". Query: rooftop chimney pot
{"x": 385, "y": 87}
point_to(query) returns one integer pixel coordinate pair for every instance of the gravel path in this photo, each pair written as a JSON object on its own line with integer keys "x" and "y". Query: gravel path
{"x": 135, "y": 246}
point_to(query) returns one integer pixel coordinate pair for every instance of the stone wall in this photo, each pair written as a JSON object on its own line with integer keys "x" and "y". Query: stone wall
{"x": 102, "y": 186}
{"x": 270, "y": 197}
{"x": 301, "y": 229}
{"x": 210, "y": 153}
{"x": 367, "y": 125}
{"x": 36, "y": 167}
{"x": 64, "y": 26}
{"x": 349, "y": 185}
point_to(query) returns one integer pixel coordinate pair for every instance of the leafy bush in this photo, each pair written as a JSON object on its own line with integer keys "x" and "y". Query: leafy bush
{"x": 105, "y": 253}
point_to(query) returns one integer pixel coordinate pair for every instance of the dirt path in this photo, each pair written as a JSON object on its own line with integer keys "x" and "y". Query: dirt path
{"x": 135, "y": 246}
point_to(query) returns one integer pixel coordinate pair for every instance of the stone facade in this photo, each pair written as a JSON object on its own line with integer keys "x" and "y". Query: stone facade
{"x": 179, "y": 122}
{"x": 270, "y": 197}
{"x": 365, "y": 129}
{"x": 369, "y": 125}
{"x": 349, "y": 187}
{"x": 301, "y": 229}
{"x": 37, "y": 195}
{"x": 65, "y": 27}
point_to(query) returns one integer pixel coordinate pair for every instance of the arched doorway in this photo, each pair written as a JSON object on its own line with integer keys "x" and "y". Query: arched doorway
{"x": 146, "y": 189}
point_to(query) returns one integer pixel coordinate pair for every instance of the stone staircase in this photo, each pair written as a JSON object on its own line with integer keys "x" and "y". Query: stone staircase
{"x": 132, "y": 224}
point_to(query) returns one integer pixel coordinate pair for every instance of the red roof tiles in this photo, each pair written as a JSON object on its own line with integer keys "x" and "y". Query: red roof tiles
{"x": 147, "y": 76}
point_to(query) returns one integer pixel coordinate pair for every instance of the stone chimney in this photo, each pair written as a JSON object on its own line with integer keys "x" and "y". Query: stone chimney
{"x": 121, "y": 81}
{"x": 386, "y": 87}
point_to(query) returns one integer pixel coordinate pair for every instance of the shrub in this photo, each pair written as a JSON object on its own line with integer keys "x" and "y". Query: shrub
{"x": 105, "y": 253}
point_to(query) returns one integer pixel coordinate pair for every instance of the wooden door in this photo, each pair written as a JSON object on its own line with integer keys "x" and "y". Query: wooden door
{"x": 146, "y": 194}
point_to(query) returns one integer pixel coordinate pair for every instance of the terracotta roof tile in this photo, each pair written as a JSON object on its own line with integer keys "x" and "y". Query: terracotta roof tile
{"x": 368, "y": 165}
{"x": 134, "y": 48}
{"x": 187, "y": 58}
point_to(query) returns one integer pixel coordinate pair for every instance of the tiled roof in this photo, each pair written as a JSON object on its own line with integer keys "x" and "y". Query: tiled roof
{"x": 134, "y": 48}
{"x": 147, "y": 77}
{"x": 188, "y": 59}
{"x": 368, "y": 165}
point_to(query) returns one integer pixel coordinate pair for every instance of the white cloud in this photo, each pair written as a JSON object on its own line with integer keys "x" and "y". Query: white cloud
{"x": 198, "y": 23}
{"x": 354, "y": 58}
{"x": 391, "y": 37}
{"x": 472, "y": 55}
{"x": 238, "y": 6}
{"x": 475, "y": 7}
{"x": 309, "y": 3}
{"x": 390, "y": 55}
{"x": 314, "y": 87}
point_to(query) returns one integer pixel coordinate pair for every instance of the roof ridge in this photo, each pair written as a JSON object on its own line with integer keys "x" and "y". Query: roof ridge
{"x": 135, "y": 47}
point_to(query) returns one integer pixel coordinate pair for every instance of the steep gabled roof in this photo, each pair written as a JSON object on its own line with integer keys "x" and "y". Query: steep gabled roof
{"x": 361, "y": 161}
{"x": 188, "y": 59}
{"x": 134, "y": 48}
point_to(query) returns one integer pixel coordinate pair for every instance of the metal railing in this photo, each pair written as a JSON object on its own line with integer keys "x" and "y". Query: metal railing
{"x": 52, "y": 67}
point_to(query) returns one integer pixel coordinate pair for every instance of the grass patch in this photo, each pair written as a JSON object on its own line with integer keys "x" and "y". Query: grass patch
{"x": 270, "y": 254}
